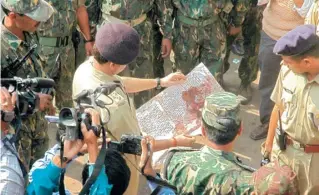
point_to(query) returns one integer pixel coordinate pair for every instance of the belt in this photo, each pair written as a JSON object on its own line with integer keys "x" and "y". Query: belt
{"x": 195, "y": 22}
{"x": 305, "y": 147}
{"x": 54, "y": 41}
{"x": 134, "y": 22}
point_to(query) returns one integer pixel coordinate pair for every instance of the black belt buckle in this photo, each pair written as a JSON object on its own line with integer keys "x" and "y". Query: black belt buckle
{"x": 62, "y": 41}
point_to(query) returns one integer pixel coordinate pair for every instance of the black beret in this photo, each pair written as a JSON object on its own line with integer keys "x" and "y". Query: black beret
{"x": 117, "y": 43}
{"x": 297, "y": 41}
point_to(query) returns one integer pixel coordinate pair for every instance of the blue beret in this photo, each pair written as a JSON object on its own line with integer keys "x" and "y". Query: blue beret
{"x": 117, "y": 43}
{"x": 297, "y": 41}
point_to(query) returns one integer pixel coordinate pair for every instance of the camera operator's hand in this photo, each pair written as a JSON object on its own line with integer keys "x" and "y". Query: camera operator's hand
{"x": 146, "y": 157}
{"x": 7, "y": 101}
{"x": 45, "y": 102}
{"x": 89, "y": 137}
{"x": 173, "y": 79}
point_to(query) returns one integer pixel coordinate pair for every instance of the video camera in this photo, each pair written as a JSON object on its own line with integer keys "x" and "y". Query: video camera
{"x": 71, "y": 118}
{"x": 28, "y": 101}
{"x": 129, "y": 144}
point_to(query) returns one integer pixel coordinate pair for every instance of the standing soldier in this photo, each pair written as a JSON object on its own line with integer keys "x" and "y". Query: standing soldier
{"x": 296, "y": 97}
{"x": 55, "y": 37}
{"x": 139, "y": 15}
{"x": 22, "y": 19}
{"x": 248, "y": 67}
{"x": 200, "y": 33}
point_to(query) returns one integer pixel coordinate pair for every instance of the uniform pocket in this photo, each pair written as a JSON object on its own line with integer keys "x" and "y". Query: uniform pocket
{"x": 288, "y": 99}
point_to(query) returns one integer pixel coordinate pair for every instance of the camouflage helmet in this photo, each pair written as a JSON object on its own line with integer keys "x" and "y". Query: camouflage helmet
{"x": 275, "y": 178}
{"x": 38, "y": 10}
{"x": 220, "y": 106}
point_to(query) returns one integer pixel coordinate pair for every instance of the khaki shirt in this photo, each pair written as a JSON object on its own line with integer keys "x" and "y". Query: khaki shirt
{"x": 313, "y": 16}
{"x": 123, "y": 116}
{"x": 300, "y": 99}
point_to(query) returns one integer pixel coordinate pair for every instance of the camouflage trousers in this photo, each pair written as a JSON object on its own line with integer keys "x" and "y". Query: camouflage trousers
{"x": 193, "y": 45}
{"x": 148, "y": 57}
{"x": 32, "y": 139}
{"x": 63, "y": 96}
{"x": 248, "y": 68}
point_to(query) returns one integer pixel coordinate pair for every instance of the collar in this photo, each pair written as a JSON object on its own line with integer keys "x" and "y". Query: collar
{"x": 316, "y": 79}
{"x": 13, "y": 41}
{"x": 99, "y": 74}
{"x": 228, "y": 155}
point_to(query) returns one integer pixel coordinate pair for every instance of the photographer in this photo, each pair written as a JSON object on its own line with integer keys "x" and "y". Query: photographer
{"x": 117, "y": 45}
{"x": 43, "y": 180}
{"x": 18, "y": 41}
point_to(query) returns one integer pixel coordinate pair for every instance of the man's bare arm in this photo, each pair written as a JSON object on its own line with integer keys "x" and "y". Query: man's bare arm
{"x": 134, "y": 85}
{"x": 272, "y": 127}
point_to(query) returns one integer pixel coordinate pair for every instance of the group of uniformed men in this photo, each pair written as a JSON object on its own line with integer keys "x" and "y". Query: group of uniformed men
{"x": 200, "y": 31}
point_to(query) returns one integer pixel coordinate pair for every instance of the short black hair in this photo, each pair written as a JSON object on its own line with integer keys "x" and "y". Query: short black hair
{"x": 116, "y": 169}
{"x": 98, "y": 57}
{"x": 6, "y": 11}
{"x": 221, "y": 137}
{"x": 313, "y": 52}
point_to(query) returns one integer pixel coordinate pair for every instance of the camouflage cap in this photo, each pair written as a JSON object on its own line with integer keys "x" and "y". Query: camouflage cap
{"x": 219, "y": 106}
{"x": 38, "y": 10}
{"x": 275, "y": 178}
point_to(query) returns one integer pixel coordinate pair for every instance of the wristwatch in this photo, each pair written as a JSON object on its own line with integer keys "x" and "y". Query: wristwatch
{"x": 158, "y": 81}
{"x": 96, "y": 130}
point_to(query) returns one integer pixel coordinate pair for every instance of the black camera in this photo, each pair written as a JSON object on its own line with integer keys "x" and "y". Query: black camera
{"x": 129, "y": 144}
{"x": 28, "y": 101}
{"x": 72, "y": 118}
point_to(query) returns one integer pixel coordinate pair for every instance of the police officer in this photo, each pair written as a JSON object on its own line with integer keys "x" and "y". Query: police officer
{"x": 296, "y": 96}
{"x": 141, "y": 15}
{"x": 22, "y": 19}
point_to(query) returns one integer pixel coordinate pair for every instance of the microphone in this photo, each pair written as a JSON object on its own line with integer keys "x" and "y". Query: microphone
{"x": 36, "y": 82}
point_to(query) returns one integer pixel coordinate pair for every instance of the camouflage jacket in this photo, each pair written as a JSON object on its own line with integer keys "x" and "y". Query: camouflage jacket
{"x": 126, "y": 9}
{"x": 12, "y": 48}
{"x": 199, "y": 9}
{"x": 207, "y": 171}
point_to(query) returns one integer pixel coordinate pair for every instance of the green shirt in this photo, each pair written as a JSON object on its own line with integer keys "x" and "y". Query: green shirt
{"x": 208, "y": 171}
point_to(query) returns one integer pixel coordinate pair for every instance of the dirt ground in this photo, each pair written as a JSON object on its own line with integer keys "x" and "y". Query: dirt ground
{"x": 244, "y": 145}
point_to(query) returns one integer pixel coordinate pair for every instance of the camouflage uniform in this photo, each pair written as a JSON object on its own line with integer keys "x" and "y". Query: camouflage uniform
{"x": 275, "y": 178}
{"x": 199, "y": 34}
{"x": 32, "y": 138}
{"x": 55, "y": 37}
{"x": 140, "y": 16}
{"x": 210, "y": 171}
{"x": 251, "y": 28}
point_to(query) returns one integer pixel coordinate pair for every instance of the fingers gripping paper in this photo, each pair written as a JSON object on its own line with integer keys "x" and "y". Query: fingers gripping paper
{"x": 177, "y": 109}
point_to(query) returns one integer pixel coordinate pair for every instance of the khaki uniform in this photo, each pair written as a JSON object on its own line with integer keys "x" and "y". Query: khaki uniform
{"x": 300, "y": 120}
{"x": 313, "y": 15}
{"x": 123, "y": 118}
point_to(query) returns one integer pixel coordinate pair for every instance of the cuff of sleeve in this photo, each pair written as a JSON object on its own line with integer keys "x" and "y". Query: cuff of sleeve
{"x": 53, "y": 171}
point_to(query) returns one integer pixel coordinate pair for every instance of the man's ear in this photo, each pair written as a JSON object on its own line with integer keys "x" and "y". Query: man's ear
{"x": 306, "y": 62}
{"x": 12, "y": 15}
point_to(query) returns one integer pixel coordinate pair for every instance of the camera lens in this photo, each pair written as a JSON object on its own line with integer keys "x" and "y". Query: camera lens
{"x": 66, "y": 117}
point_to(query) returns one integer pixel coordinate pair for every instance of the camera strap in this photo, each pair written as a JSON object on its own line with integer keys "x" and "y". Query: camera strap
{"x": 160, "y": 182}
{"x": 97, "y": 167}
